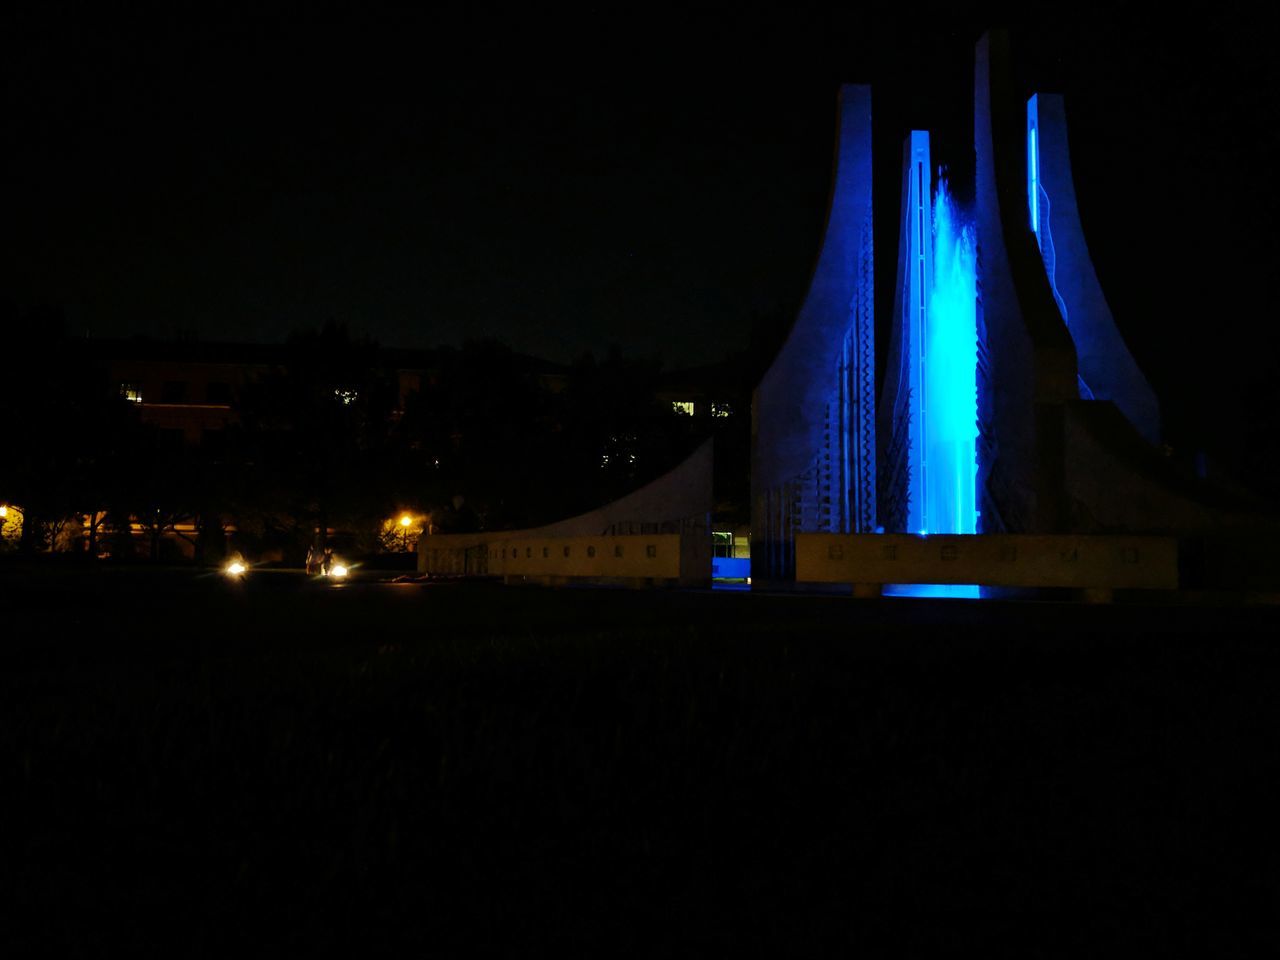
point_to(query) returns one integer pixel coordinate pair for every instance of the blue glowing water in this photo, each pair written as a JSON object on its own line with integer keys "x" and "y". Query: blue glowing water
{"x": 957, "y": 591}
{"x": 951, "y": 385}
{"x": 944, "y": 447}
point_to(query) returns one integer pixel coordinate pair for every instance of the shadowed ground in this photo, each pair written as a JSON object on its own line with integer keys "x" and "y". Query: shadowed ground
{"x": 192, "y": 766}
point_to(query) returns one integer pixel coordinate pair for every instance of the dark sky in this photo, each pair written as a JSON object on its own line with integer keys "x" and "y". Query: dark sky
{"x": 657, "y": 179}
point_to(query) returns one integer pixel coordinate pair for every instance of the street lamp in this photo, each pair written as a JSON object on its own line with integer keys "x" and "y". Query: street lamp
{"x": 405, "y": 520}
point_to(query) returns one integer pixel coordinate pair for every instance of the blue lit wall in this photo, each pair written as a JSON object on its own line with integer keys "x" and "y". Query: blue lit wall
{"x": 918, "y": 236}
{"x": 813, "y": 460}
{"x": 1106, "y": 370}
{"x": 1041, "y": 208}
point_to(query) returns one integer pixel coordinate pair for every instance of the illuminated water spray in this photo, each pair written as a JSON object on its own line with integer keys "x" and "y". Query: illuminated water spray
{"x": 950, "y": 397}
{"x": 943, "y": 432}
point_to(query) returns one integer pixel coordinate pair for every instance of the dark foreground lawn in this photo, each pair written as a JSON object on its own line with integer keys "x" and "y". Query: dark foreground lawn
{"x": 190, "y": 768}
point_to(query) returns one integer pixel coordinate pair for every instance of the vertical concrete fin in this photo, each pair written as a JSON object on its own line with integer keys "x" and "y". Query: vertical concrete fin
{"x": 1027, "y": 362}
{"x": 813, "y": 420}
{"x": 1107, "y": 368}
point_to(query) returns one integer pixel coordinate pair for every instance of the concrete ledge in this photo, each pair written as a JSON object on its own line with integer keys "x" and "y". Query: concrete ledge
{"x": 639, "y": 560}
{"x": 1097, "y": 564}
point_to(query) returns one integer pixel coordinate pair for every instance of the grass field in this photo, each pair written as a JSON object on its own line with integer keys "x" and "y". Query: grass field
{"x": 192, "y": 767}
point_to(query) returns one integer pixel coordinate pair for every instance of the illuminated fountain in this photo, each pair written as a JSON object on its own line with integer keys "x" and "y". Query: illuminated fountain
{"x": 1015, "y": 443}
{"x": 932, "y": 388}
{"x": 948, "y": 458}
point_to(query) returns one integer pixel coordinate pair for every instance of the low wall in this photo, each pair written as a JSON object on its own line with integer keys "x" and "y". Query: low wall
{"x": 454, "y": 554}
{"x": 659, "y": 533}
{"x": 622, "y": 557}
{"x": 658, "y": 558}
{"x": 990, "y": 560}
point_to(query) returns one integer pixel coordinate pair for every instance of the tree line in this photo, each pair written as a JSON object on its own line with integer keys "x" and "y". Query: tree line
{"x": 323, "y": 441}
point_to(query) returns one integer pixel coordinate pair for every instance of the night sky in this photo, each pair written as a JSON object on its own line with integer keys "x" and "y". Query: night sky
{"x": 658, "y": 180}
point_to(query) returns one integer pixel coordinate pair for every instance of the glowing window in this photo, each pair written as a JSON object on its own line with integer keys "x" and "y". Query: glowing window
{"x": 722, "y": 543}
{"x": 346, "y": 397}
{"x": 682, "y": 407}
{"x": 131, "y": 392}
{"x": 721, "y": 410}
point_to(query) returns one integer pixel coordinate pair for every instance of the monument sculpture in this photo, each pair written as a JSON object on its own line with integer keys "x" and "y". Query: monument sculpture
{"x": 1013, "y": 441}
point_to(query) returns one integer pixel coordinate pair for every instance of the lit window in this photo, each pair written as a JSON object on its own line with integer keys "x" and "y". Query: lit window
{"x": 347, "y": 397}
{"x": 721, "y": 543}
{"x": 131, "y": 392}
{"x": 682, "y": 407}
{"x": 721, "y": 410}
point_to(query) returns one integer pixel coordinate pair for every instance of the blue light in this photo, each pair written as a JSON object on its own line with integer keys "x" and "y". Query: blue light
{"x": 950, "y": 431}
{"x": 1033, "y": 179}
{"x": 953, "y": 591}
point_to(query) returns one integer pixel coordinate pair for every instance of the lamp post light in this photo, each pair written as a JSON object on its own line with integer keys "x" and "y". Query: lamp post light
{"x": 404, "y": 530}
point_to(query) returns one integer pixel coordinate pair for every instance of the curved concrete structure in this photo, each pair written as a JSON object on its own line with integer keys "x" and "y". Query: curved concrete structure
{"x": 1066, "y": 422}
{"x": 1107, "y": 368}
{"x": 813, "y": 413}
{"x": 1026, "y": 360}
{"x": 677, "y": 505}
{"x": 899, "y": 485}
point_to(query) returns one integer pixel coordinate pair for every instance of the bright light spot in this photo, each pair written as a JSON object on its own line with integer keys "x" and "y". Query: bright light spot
{"x": 131, "y": 392}
{"x": 4, "y": 511}
{"x": 682, "y": 407}
{"x": 339, "y": 571}
{"x": 405, "y": 520}
{"x": 235, "y": 568}
{"x": 346, "y": 397}
{"x": 721, "y": 410}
